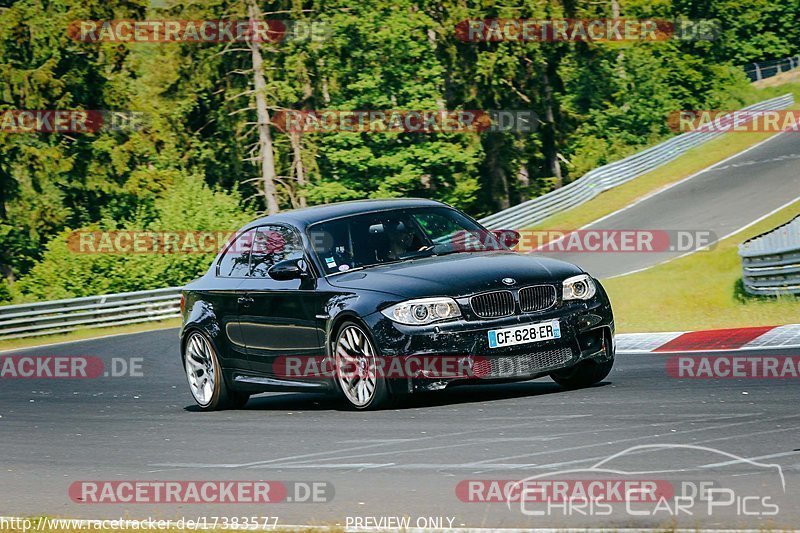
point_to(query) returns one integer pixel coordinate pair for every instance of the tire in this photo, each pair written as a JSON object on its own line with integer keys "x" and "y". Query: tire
{"x": 237, "y": 399}
{"x": 205, "y": 376}
{"x": 586, "y": 373}
{"x": 355, "y": 354}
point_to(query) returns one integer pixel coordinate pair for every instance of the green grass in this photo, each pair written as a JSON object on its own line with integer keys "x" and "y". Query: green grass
{"x": 700, "y": 291}
{"x": 691, "y": 162}
{"x": 82, "y": 334}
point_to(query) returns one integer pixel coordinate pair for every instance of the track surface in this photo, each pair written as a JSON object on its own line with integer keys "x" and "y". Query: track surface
{"x": 406, "y": 461}
{"x": 722, "y": 199}
{"x": 409, "y": 461}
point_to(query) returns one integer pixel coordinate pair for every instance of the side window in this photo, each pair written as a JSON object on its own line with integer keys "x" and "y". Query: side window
{"x": 235, "y": 261}
{"x": 273, "y": 244}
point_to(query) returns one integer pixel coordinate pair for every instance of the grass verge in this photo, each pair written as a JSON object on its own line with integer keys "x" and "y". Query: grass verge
{"x": 81, "y": 334}
{"x": 700, "y": 291}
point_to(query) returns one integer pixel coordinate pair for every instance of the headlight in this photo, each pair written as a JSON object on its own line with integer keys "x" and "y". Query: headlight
{"x": 423, "y": 311}
{"x": 579, "y": 287}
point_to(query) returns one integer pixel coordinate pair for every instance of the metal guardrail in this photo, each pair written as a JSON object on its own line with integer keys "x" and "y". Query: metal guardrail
{"x": 61, "y": 316}
{"x": 767, "y": 69}
{"x": 771, "y": 261}
{"x": 609, "y": 176}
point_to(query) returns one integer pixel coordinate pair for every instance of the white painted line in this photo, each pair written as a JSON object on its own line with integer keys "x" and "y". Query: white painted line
{"x": 659, "y": 191}
{"x": 345, "y": 466}
{"x": 787, "y": 336}
{"x": 404, "y": 466}
{"x": 721, "y": 350}
{"x": 671, "y": 185}
{"x": 643, "y": 342}
{"x": 731, "y": 234}
{"x": 778, "y": 338}
{"x": 770, "y": 456}
{"x": 453, "y": 436}
{"x": 679, "y": 433}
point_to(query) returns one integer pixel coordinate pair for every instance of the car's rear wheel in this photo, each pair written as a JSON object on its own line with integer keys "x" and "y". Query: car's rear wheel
{"x": 204, "y": 374}
{"x": 587, "y": 373}
{"x": 357, "y": 371}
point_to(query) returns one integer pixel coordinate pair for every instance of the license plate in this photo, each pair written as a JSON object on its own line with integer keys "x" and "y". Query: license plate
{"x": 541, "y": 331}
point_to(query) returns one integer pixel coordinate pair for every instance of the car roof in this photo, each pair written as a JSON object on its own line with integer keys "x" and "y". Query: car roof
{"x": 306, "y": 216}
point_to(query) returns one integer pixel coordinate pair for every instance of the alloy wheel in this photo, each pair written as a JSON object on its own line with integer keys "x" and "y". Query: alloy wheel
{"x": 356, "y": 365}
{"x": 201, "y": 369}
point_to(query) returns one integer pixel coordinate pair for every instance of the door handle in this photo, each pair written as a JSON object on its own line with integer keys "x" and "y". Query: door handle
{"x": 245, "y": 300}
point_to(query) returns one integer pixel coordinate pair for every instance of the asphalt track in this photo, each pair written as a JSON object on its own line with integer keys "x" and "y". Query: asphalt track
{"x": 407, "y": 461}
{"x": 722, "y": 199}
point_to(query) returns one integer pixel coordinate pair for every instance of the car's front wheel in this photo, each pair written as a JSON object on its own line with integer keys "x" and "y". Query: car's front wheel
{"x": 204, "y": 374}
{"x": 587, "y": 373}
{"x": 359, "y": 378}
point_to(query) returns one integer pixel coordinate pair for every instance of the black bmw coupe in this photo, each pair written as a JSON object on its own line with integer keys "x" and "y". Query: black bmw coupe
{"x": 370, "y": 300}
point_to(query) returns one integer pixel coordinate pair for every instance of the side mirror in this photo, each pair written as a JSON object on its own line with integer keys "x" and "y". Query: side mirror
{"x": 509, "y": 237}
{"x": 288, "y": 269}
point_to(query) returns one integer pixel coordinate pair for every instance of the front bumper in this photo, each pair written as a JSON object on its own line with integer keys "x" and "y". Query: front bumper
{"x": 586, "y": 328}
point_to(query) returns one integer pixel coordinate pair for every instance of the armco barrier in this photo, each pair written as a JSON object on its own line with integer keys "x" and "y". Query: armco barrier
{"x": 61, "y": 316}
{"x": 767, "y": 69}
{"x": 609, "y": 176}
{"x": 771, "y": 261}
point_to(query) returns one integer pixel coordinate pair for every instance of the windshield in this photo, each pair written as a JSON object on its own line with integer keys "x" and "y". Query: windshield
{"x": 370, "y": 239}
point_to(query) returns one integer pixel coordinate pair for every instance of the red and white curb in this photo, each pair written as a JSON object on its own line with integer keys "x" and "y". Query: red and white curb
{"x": 756, "y": 338}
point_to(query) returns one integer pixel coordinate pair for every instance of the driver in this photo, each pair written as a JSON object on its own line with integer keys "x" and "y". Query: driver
{"x": 401, "y": 239}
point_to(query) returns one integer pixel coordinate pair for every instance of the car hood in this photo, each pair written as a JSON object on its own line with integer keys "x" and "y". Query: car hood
{"x": 456, "y": 274}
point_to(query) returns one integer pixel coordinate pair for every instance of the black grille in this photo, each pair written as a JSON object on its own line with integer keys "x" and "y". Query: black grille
{"x": 537, "y": 298}
{"x": 520, "y": 365}
{"x": 493, "y": 304}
